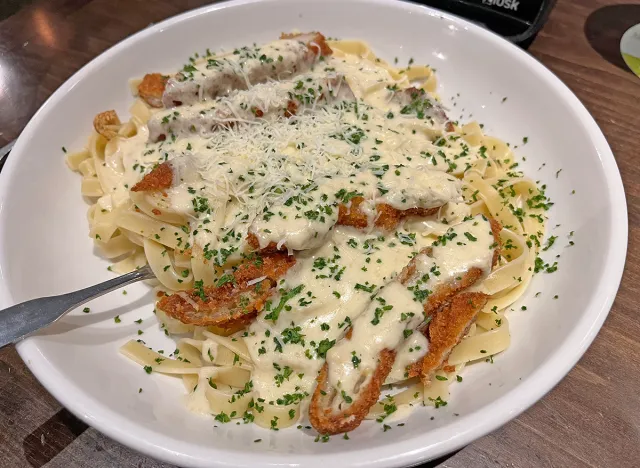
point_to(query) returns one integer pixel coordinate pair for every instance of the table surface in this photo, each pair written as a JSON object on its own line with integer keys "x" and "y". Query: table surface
{"x": 592, "y": 418}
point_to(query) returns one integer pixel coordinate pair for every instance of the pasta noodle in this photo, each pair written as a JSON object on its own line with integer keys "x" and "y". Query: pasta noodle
{"x": 192, "y": 232}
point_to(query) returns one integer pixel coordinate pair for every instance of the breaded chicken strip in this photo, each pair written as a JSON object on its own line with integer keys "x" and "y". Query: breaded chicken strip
{"x": 381, "y": 201}
{"x": 387, "y": 218}
{"x": 160, "y": 178}
{"x": 219, "y": 75}
{"x": 446, "y": 329}
{"x": 266, "y": 101}
{"x": 325, "y": 421}
{"x": 236, "y": 298}
{"x": 313, "y": 40}
{"x": 449, "y": 325}
{"x": 151, "y": 88}
{"x": 340, "y": 406}
{"x": 416, "y": 102}
{"x": 245, "y": 67}
{"x": 323, "y": 416}
{"x": 429, "y": 191}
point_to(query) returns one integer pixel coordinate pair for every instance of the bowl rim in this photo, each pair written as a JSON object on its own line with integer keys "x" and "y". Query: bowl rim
{"x": 411, "y": 451}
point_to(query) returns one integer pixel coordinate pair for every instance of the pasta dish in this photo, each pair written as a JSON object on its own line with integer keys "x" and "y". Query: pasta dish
{"x": 321, "y": 232}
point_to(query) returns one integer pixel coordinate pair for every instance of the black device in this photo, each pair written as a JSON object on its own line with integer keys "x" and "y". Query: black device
{"x": 516, "y": 20}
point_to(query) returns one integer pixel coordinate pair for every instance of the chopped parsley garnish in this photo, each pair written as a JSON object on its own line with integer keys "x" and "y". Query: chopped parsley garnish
{"x": 222, "y": 417}
{"x": 224, "y": 279}
{"x": 324, "y": 346}
{"x": 470, "y": 236}
{"x": 362, "y": 287}
{"x": 438, "y": 402}
{"x": 198, "y": 287}
{"x": 292, "y": 335}
{"x": 355, "y": 360}
{"x": 346, "y": 397}
{"x": 275, "y": 313}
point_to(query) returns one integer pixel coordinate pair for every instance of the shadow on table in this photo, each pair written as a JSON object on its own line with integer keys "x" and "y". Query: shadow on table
{"x": 11, "y": 7}
{"x": 50, "y": 438}
{"x": 604, "y": 29}
{"x": 438, "y": 461}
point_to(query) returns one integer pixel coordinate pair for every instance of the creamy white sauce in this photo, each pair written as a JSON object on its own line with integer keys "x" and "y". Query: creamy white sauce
{"x": 393, "y": 316}
{"x": 226, "y": 181}
{"x": 331, "y": 142}
{"x": 339, "y": 278}
{"x": 382, "y": 326}
{"x": 412, "y": 349}
{"x": 467, "y": 245}
{"x": 266, "y": 101}
{"x": 302, "y": 221}
{"x": 240, "y": 69}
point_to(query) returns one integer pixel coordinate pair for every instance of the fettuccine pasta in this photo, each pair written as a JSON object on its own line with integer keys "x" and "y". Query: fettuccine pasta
{"x": 243, "y": 149}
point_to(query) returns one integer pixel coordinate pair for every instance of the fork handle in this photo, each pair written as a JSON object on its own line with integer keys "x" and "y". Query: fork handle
{"x": 20, "y": 320}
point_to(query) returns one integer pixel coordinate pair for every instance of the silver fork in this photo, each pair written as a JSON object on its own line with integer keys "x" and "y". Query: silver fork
{"x": 20, "y": 320}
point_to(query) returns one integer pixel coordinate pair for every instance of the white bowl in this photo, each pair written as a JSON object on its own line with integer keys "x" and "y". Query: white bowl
{"x": 44, "y": 247}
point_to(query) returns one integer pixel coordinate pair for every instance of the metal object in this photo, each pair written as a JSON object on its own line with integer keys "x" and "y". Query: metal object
{"x": 20, "y": 320}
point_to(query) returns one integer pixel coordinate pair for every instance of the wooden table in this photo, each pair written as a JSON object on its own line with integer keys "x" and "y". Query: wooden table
{"x": 591, "y": 419}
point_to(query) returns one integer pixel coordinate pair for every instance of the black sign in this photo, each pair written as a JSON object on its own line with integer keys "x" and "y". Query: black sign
{"x": 517, "y": 20}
